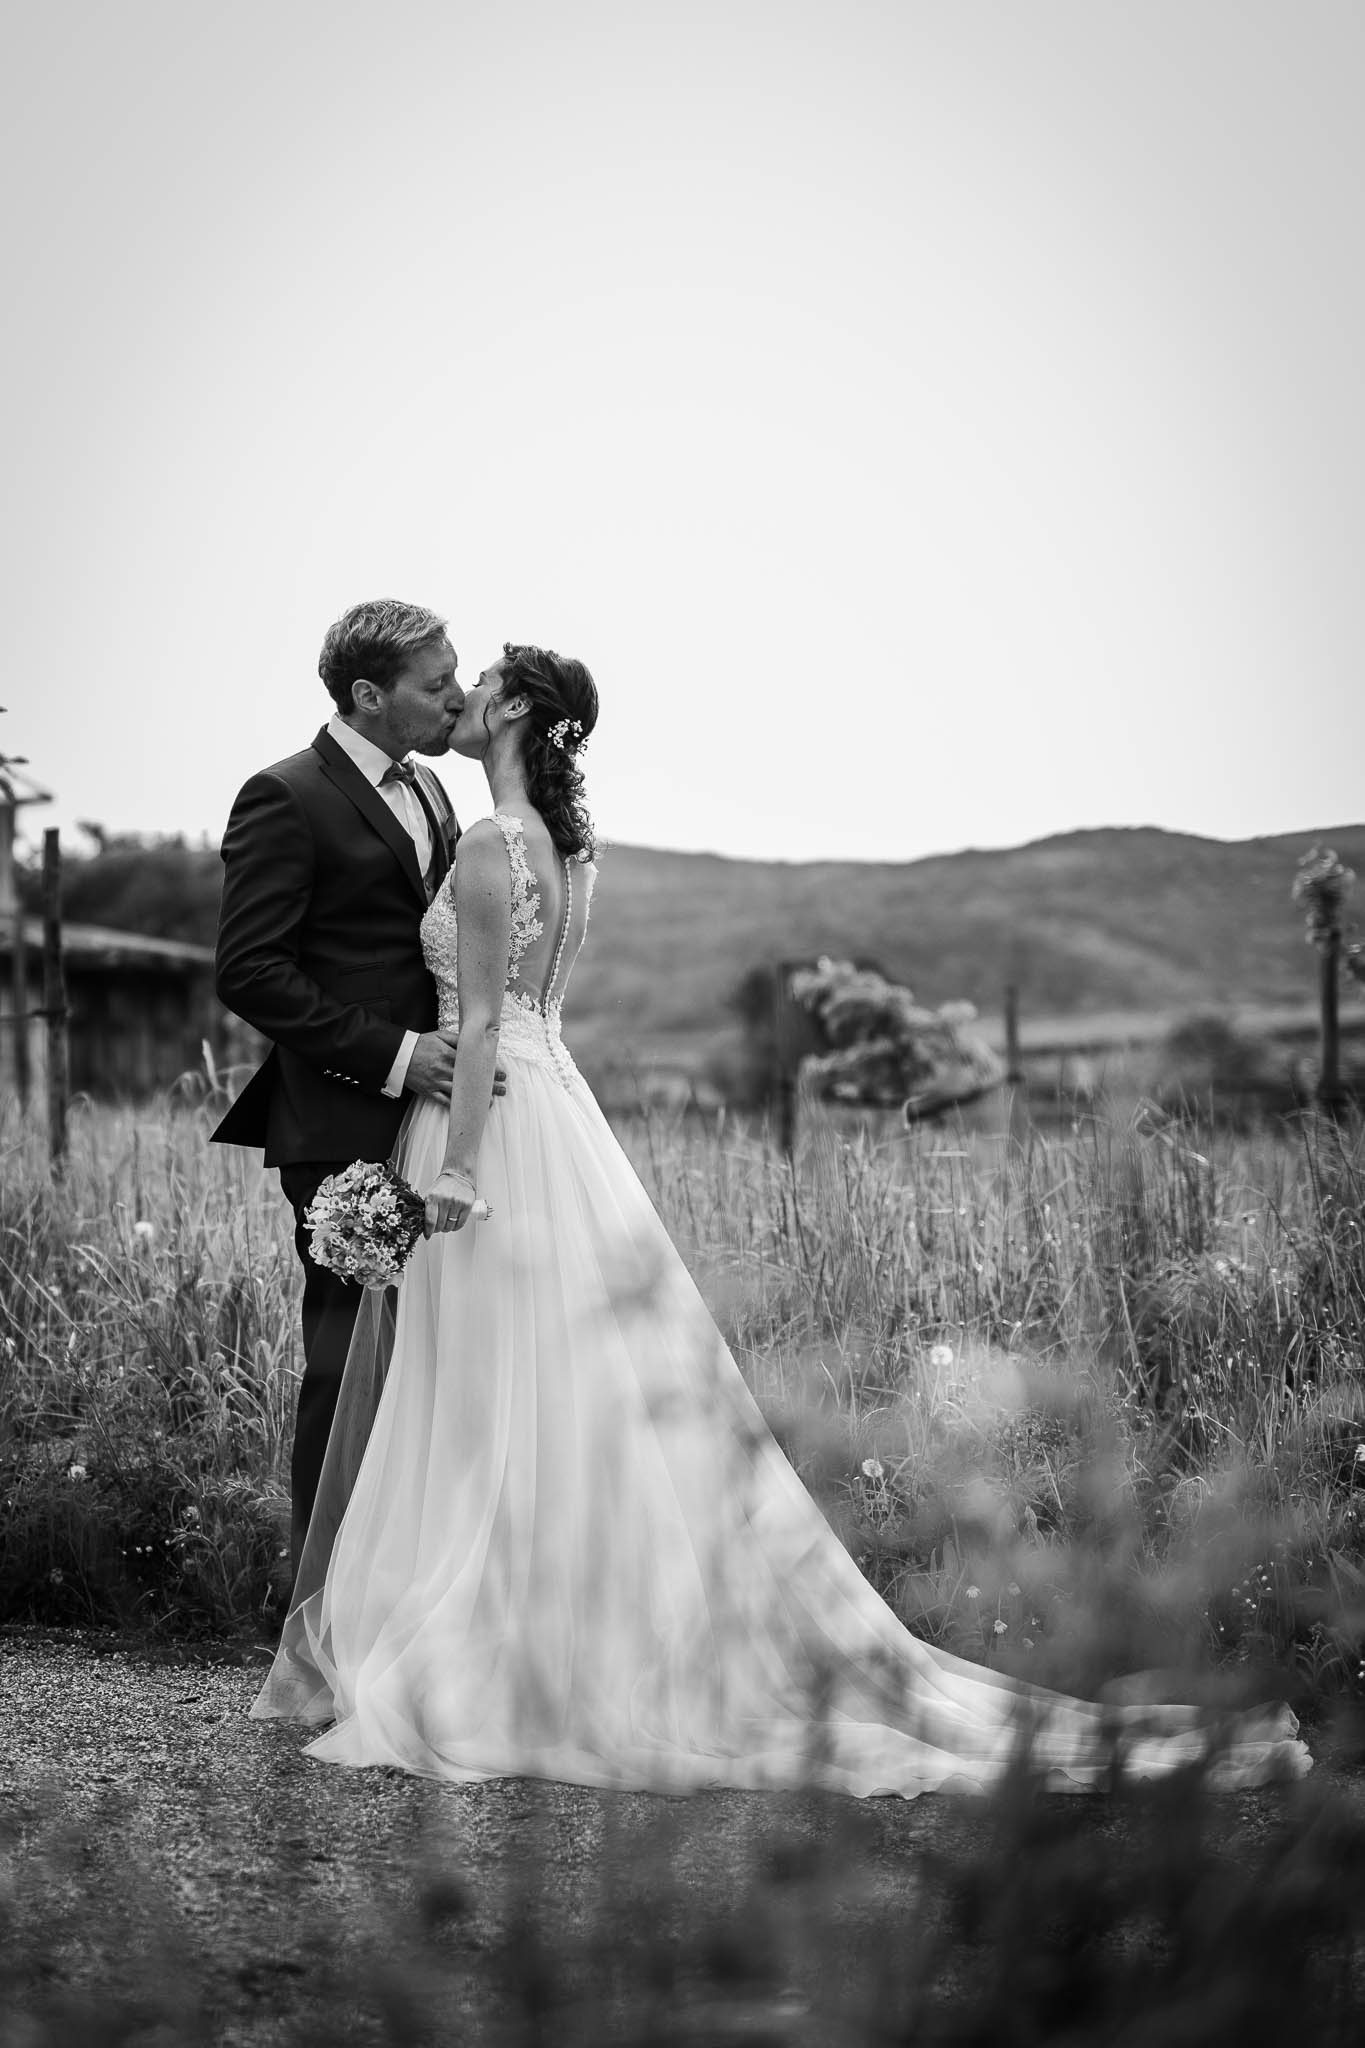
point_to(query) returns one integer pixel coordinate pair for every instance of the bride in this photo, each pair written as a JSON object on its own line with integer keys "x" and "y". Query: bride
{"x": 554, "y": 1536}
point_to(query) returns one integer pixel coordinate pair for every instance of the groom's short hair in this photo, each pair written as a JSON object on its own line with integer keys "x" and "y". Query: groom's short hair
{"x": 377, "y": 640}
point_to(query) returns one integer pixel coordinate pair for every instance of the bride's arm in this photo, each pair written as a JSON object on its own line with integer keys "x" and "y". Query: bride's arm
{"x": 483, "y": 911}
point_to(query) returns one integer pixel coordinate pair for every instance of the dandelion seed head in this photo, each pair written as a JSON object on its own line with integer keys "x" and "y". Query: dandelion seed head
{"x": 76, "y": 1472}
{"x": 942, "y": 1354}
{"x": 145, "y": 1229}
{"x": 973, "y": 1592}
{"x": 871, "y": 1468}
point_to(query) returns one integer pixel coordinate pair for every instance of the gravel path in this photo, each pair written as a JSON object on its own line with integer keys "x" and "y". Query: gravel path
{"x": 163, "y": 1857}
{"x": 160, "y": 1849}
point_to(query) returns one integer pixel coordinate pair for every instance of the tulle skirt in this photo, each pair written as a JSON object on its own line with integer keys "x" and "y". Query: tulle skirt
{"x": 555, "y": 1537}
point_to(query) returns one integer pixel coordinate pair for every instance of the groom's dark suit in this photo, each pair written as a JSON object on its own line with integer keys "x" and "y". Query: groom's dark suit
{"x": 319, "y": 949}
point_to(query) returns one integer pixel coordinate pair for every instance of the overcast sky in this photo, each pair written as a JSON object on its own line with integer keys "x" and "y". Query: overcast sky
{"x": 934, "y": 424}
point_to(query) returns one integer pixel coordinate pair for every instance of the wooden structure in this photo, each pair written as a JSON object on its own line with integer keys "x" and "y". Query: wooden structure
{"x": 138, "y": 1009}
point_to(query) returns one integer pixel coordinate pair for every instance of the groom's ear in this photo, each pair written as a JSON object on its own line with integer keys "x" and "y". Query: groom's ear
{"x": 365, "y": 695}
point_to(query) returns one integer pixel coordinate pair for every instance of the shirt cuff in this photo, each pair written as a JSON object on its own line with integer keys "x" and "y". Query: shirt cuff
{"x": 398, "y": 1072}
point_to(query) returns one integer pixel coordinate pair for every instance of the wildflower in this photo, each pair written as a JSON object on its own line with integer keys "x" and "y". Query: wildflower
{"x": 7, "y": 1346}
{"x": 973, "y": 1592}
{"x": 942, "y": 1354}
{"x": 56, "y": 1577}
{"x": 1360, "y": 1454}
{"x": 871, "y": 1468}
{"x": 1000, "y": 1626}
{"x": 191, "y": 1514}
{"x": 76, "y": 1472}
{"x": 1027, "y": 1642}
{"x": 1012, "y": 1588}
{"x": 144, "y": 1229}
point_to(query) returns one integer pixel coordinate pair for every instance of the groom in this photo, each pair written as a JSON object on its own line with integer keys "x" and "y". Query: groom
{"x": 330, "y": 859}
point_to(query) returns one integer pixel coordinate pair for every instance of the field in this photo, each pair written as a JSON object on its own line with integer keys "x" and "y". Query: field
{"x": 1119, "y": 1340}
{"x": 1085, "y": 1406}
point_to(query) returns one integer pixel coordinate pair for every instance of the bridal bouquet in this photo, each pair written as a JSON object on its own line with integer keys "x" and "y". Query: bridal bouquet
{"x": 365, "y": 1221}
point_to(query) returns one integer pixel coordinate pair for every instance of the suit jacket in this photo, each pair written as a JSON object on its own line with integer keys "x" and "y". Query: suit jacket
{"x": 319, "y": 949}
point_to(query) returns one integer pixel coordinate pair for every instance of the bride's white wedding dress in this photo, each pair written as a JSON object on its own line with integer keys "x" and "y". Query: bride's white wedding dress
{"x": 554, "y": 1535}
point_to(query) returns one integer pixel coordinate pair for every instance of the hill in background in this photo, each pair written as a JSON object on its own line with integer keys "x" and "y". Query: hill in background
{"x": 1112, "y": 920}
{"x": 1089, "y": 922}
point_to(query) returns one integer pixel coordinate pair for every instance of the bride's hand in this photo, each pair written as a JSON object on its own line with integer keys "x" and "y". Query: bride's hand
{"x": 450, "y": 1203}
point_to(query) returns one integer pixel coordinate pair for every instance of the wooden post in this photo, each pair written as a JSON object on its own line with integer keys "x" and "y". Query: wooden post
{"x": 1014, "y": 1066}
{"x": 54, "y": 1001}
{"x": 783, "y": 1061}
{"x": 12, "y": 909}
{"x": 1329, "y": 1090}
{"x": 12, "y": 913}
{"x": 23, "y": 1065}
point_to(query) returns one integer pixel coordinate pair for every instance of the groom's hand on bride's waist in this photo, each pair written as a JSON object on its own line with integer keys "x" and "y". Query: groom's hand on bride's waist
{"x": 432, "y": 1067}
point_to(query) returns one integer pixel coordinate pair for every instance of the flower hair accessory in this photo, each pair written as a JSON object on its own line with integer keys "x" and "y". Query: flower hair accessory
{"x": 567, "y": 735}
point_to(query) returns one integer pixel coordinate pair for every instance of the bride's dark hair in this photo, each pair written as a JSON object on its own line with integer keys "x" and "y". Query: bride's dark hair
{"x": 562, "y": 696}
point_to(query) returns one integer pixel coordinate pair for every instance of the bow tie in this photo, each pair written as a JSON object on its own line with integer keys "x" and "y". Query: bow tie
{"x": 400, "y": 771}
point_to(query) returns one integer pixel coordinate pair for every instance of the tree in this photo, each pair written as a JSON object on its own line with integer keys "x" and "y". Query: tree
{"x": 884, "y": 1047}
{"x": 137, "y": 882}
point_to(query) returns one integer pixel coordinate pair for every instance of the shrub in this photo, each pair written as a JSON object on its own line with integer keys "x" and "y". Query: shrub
{"x": 1211, "y": 1069}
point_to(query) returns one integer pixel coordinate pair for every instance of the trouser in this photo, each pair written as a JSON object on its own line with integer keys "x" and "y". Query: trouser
{"x": 330, "y": 1306}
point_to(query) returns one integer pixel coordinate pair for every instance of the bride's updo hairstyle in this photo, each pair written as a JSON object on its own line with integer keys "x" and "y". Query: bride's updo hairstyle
{"x": 563, "y": 700}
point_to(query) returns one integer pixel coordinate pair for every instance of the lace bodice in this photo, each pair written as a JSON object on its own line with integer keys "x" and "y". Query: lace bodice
{"x": 530, "y": 1026}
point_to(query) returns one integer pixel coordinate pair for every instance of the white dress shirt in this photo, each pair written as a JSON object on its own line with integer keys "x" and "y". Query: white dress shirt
{"x": 407, "y": 807}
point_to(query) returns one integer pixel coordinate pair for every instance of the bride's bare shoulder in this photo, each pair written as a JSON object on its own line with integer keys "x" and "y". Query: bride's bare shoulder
{"x": 481, "y": 860}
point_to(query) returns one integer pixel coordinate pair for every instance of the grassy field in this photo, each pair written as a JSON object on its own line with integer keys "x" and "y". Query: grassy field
{"x": 1083, "y": 1406}
{"x": 1075, "y": 1402}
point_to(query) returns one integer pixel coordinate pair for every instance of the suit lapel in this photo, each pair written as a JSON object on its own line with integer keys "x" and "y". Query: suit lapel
{"x": 340, "y": 769}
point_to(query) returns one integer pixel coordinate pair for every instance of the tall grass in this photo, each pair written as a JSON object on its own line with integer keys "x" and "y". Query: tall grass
{"x": 148, "y": 1358}
{"x": 1075, "y": 1402}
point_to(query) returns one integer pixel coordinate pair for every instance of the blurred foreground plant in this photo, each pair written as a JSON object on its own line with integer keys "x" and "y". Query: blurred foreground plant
{"x": 1148, "y": 1914}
